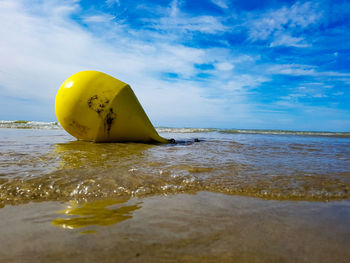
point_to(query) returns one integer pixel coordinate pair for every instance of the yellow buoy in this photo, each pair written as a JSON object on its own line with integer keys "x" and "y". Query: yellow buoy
{"x": 94, "y": 106}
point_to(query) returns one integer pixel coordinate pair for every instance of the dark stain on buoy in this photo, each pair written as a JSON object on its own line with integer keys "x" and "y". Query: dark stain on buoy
{"x": 110, "y": 117}
{"x": 90, "y": 101}
{"x": 97, "y": 104}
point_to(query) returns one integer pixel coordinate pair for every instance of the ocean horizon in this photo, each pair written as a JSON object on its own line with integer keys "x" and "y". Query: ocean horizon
{"x": 26, "y": 124}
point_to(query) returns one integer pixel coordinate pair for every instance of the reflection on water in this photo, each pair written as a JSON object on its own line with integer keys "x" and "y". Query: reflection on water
{"x": 80, "y": 154}
{"x": 98, "y": 213}
{"x": 33, "y": 168}
{"x": 204, "y": 227}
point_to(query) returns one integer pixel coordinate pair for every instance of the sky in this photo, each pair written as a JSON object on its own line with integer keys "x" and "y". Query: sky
{"x": 210, "y": 63}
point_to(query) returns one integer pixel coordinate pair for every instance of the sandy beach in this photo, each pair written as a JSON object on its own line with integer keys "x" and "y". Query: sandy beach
{"x": 231, "y": 197}
{"x": 204, "y": 227}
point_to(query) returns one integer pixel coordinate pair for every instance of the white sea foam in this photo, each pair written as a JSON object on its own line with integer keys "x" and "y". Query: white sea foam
{"x": 20, "y": 124}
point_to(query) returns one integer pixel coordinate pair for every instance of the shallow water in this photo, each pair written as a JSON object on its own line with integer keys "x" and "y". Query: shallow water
{"x": 229, "y": 197}
{"x": 41, "y": 164}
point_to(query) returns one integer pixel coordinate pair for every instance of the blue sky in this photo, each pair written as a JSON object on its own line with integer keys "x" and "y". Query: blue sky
{"x": 210, "y": 63}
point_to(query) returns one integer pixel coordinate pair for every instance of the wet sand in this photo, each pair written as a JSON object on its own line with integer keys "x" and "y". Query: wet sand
{"x": 227, "y": 197}
{"x": 202, "y": 227}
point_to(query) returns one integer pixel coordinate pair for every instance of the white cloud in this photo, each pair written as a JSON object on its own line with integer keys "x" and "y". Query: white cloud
{"x": 244, "y": 83}
{"x": 112, "y": 2}
{"x": 283, "y": 26}
{"x": 292, "y": 69}
{"x": 224, "y": 66}
{"x": 305, "y": 70}
{"x": 184, "y": 23}
{"x": 172, "y": 20}
{"x": 288, "y": 40}
{"x": 304, "y": 14}
{"x": 174, "y": 8}
{"x": 310, "y": 91}
{"x": 221, "y": 3}
{"x": 40, "y": 51}
{"x": 105, "y": 18}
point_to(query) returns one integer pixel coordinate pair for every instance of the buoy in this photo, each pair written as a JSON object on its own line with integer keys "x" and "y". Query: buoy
{"x": 94, "y": 106}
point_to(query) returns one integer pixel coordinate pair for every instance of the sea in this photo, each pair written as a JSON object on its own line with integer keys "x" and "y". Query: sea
{"x": 213, "y": 195}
